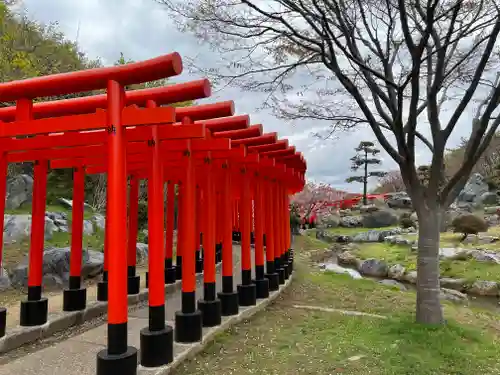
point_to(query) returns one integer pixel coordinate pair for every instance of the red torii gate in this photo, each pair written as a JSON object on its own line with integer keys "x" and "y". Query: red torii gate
{"x": 118, "y": 356}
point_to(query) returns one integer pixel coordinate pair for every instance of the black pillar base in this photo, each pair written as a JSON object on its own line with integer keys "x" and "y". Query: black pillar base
{"x": 290, "y": 266}
{"x": 285, "y": 270}
{"x": 157, "y": 347}
{"x": 281, "y": 275}
{"x": 147, "y": 280}
{"x": 188, "y": 327}
{"x": 261, "y": 288}
{"x": 211, "y": 312}
{"x": 102, "y": 291}
{"x": 170, "y": 275}
{"x": 218, "y": 257}
{"x": 199, "y": 265}
{"x": 229, "y": 303}
{"x": 3, "y": 321}
{"x": 274, "y": 282}
{"x": 74, "y": 299}
{"x": 247, "y": 295}
{"x": 133, "y": 285}
{"x": 123, "y": 364}
{"x": 178, "y": 271}
{"x": 34, "y": 313}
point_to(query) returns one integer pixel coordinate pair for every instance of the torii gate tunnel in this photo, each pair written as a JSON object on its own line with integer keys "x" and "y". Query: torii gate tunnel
{"x": 229, "y": 180}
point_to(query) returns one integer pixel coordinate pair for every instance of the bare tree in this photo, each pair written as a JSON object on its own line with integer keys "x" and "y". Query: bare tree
{"x": 407, "y": 69}
{"x": 392, "y": 182}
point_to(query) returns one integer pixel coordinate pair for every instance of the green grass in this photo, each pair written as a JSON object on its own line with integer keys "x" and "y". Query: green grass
{"x": 470, "y": 269}
{"x": 289, "y": 340}
{"x": 354, "y": 231}
{"x": 25, "y": 209}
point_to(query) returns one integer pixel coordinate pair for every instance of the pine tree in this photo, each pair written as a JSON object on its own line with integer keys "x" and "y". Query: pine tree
{"x": 362, "y": 159}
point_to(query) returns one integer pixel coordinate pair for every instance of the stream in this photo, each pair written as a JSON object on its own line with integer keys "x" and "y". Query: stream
{"x": 483, "y": 302}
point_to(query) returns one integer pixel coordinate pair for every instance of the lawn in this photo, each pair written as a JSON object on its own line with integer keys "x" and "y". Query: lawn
{"x": 470, "y": 269}
{"x": 25, "y": 209}
{"x": 340, "y": 231}
{"x": 288, "y": 339}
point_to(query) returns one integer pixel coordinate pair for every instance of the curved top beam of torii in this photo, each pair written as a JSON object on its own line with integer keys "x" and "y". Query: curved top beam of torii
{"x": 181, "y": 92}
{"x": 92, "y": 79}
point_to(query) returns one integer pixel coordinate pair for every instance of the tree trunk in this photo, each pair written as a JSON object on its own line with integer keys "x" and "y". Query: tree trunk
{"x": 365, "y": 180}
{"x": 429, "y": 310}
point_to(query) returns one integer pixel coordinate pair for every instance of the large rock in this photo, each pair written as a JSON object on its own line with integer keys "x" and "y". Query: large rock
{"x": 88, "y": 227}
{"x": 382, "y": 218}
{"x": 19, "y": 191}
{"x": 56, "y": 265}
{"x": 335, "y": 268}
{"x": 453, "y": 295}
{"x": 475, "y": 187}
{"x": 375, "y": 235}
{"x": 141, "y": 252}
{"x": 4, "y": 280}
{"x": 399, "y": 200}
{"x": 368, "y": 208}
{"x": 484, "y": 288}
{"x": 351, "y": 221}
{"x": 455, "y": 284}
{"x": 411, "y": 277}
{"x": 393, "y": 284}
{"x": 330, "y": 221}
{"x": 374, "y": 267}
{"x": 100, "y": 221}
{"x": 489, "y": 198}
{"x": 18, "y": 227}
{"x": 397, "y": 272}
{"x": 347, "y": 258}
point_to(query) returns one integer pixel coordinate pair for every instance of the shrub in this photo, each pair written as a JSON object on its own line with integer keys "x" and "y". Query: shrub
{"x": 406, "y": 222}
{"x": 469, "y": 224}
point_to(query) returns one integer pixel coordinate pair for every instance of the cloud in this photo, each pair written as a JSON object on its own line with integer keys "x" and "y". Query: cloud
{"x": 141, "y": 30}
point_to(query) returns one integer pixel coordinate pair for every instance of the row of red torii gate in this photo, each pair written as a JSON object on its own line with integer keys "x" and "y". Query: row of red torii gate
{"x": 232, "y": 183}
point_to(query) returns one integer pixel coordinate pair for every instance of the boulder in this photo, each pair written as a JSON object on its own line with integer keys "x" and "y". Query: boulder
{"x": 484, "y": 288}
{"x": 453, "y": 253}
{"x": 330, "y": 221}
{"x": 141, "y": 252}
{"x": 88, "y": 227}
{"x": 485, "y": 256}
{"x": 347, "y": 258}
{"x": 56, "y": 266}
{"x": 351, "y": 221}
{"x": 52, "y": 281}
{"x": 397, "y": 272}
{"x": 100, "y": 221}
{"x": 453, "y": 295}
{"x": 4, "y": 280}
{"x": 382, "y": 218}
{"x": 399, "y": 240}
{"x": 393, "y": 284}
{"x": 18, "y": 227}
{"x": 375, "y": 235}
{"x": 411, "y": 277}
{"x": 489, "y": 198}
{"x": 399, "y": 200}
{"x": 455, "y": 284}
{"x": 473, "y": 190}
{"x": 373, "y": 267}
{"x": 368, "y": 208}
{"x": 335, "y": 268}
{"x": 19, "y": 191}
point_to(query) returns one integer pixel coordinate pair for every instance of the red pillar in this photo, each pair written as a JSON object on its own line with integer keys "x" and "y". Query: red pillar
{"x": 261, "y": 283}
{"x": 188, "y": 322}
{"x": 169, "y": 235}
{"x": 199, "y": 228}
{"x": 284, "y": 222}
{"x": 117, "y": 355}
{"x": 178, "y": 260}
{"x": 74, "y": 298}
{"x": 133, "y": 280}
{"x": 157, "y": 340}
{"x": 3, "y": 188}
{"x": 34, "y": 311}
{"x": 209, "y": 306}
{"x": 228, "y": 297}
{"x": 102, "y": 286}
{"x": 246, "y": 290}
{"x": 276, "y": 231}
{"x": 271, "y": 274}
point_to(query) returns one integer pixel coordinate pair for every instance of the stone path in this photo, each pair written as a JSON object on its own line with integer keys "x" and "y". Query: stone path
{"x": 77, "y": 355}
